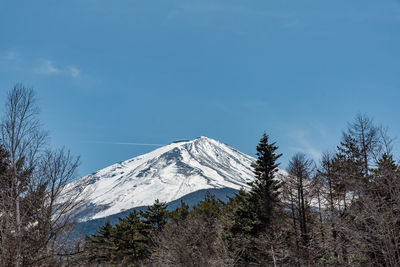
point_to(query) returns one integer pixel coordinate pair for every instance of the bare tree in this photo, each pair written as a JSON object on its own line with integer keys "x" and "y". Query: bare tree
{"x": 192, "y": 243}
{"x": 387, "y": 141}
{"x": 367, "y": 138}
{"x": 33, "y": 214}
{"x": 375, "y": 230}
{"x": 299, "y": 183}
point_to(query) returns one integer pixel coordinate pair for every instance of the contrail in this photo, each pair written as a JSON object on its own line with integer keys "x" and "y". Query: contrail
{"x": 126, "y": 143}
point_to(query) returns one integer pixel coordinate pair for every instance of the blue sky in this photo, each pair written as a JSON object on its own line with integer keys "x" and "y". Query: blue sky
{"x": 151, "y": 72}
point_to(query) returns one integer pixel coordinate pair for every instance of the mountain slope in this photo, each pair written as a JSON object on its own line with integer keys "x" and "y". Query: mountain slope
{"x": 92, "y": 226}
{"x": 167, "y": 173}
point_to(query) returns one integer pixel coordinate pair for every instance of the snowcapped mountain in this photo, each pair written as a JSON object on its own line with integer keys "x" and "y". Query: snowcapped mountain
{"x": 167, "y": 173}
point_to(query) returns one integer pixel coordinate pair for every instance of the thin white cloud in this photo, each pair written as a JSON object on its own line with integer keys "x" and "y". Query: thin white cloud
{"x": 305, "y": 146}
{"x": 314, "y": 153}
{"x": 13, "y": 61}
{"x": 74, "y": 72}
{"x": 11, "y": 55}
{"x": 10, "y": 61}
{"x": 47, "y": 67}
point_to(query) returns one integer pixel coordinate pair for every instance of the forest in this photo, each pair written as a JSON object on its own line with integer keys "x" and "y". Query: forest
{"x": 340, "y": 211}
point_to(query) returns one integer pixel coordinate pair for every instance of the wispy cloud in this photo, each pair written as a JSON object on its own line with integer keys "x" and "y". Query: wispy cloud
{"x": 13, "y": 61}
{"x": 304, "y": 145}
{"x": 10, "y": 61}
{"x": 74, "y": 71}
{"x": 11, "y": 55}
{"x": 47, "y": 67}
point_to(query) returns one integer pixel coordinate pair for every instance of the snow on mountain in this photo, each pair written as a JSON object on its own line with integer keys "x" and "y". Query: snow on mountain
{"x": 166, "y": 173}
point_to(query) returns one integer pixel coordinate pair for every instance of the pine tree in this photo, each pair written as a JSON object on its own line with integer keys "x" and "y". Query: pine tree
{"x": 156, "y": 216}
{"x": 349, "y": 165}
{"x": 131, "y": 236}
{"x": 180, "y": 213}
{"x": 126, "y": 244}
{"x": 209, "y": 208}
{"x": 99, "y": 246}
{"x": 386, "y": 179}
{"x": 257, "y": 211}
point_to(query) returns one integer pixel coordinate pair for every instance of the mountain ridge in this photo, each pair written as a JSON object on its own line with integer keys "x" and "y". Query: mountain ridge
{"x": 167, "y": 173}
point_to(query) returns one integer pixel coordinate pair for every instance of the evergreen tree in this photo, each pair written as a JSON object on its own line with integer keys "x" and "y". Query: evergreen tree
{"x": 180, "y": 213}
{"x": 99, "y": 246}
{"x": 131, "y": 238}
{"x": 208, "y": 208}
{"x": 156, "y": 216}
{"x": 265, "y": 189}
{"x": 349, "y": 165}
{"x": 126, "y": 244}
{"x": 387, "y": 175}
{"x": 258, "y": 210}
{"x": 256, "y": 213}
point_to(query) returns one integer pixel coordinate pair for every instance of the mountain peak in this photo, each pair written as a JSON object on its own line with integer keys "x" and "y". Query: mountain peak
{"x": 203, "y": 138}
{"x": 200, "y": 138}
{"x": 167, "y": 174}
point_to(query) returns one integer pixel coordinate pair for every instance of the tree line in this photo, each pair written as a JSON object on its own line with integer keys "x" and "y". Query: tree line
{"x": 341, "y": 211}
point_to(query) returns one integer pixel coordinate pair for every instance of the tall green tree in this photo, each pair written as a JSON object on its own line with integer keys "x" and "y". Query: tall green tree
{"x": 209, "y": 208}
{"x": 156, "y": 215}
{"x": 265, "y": 188}
{"x": 256, "y": 213}
{"x": 99, "y": 246}
{"x": 180, "y": 213}
{"x": 131, "y": 238}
